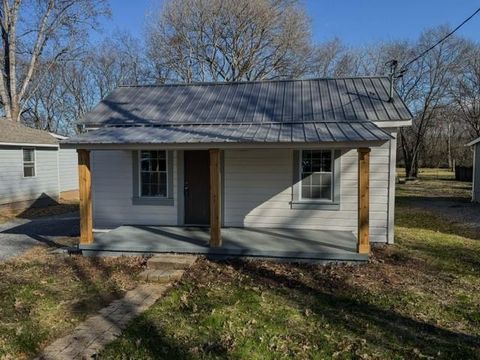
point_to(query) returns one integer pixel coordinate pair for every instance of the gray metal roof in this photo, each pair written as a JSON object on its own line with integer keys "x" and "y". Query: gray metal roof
{"x": 313, "y": 100}
{"x": 12, "y": 132}
{"x": 313, "y": 132}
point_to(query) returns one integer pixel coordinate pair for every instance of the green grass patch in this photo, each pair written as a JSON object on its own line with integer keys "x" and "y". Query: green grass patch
{"x": 417, "y": 299}
{"x": 44, "y": 296}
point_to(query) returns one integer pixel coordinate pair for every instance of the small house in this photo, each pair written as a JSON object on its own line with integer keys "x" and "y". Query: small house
{"x": 33, "y": 169}
{"x": 303, "y": 169}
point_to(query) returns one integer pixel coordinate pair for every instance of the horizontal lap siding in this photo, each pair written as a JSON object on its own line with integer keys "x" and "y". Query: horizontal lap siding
{"x": 14, "y": 187}
{"x": 113, "y": 190}
{"x": 476, "y": 174}
{"x": 68, "y": 169}
{"x": 258, "y": 192}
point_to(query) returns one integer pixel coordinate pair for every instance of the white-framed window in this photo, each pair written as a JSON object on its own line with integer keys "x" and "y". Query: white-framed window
{"x": 316, "y": 175}
{"x": 153, "y": 173}
{"x": 28, "y": 162}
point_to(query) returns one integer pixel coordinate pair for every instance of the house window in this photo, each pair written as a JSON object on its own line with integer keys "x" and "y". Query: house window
{"x": 316, "y": 174}
{"x": 153, "y": 173}
{"x": 28, "y": 162}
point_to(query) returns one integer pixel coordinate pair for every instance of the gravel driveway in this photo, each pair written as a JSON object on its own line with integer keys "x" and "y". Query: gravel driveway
{"x": 20, "y": 235}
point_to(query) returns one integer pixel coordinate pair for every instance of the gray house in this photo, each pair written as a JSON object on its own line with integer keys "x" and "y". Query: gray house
{"x": 32, "y": 166}
{"x": 297, "y": 168}
{"x": 476, "y": 170}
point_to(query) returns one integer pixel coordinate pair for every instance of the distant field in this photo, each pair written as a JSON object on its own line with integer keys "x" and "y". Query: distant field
{"x": 430, "y": 173}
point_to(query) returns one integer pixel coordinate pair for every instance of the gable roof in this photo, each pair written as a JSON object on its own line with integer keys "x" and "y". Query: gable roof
{"x": 279, "y": 101}
{"x": 15, "y": 133}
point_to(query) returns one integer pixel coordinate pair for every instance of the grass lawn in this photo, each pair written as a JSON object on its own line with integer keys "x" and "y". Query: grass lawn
{"x": 430, "y": 173}
{"x": 417, "y": 299}
{"x": 44, "y": 295}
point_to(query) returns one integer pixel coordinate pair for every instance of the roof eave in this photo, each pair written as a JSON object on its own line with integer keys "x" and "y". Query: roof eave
{"x": 474, "y": 142}
{"x": 393, "y": 123}
{"x": 28, "y": 144}
{"x": 224, "y": 145}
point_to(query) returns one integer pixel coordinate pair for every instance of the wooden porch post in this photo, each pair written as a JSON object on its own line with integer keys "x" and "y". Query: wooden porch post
{"x": 85, "y": 192}
{"x": 215, "y": 202}
{"x": 363, "y": 244}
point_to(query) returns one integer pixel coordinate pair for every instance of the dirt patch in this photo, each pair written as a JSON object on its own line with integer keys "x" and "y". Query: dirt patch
{"x": 25, "y": 212}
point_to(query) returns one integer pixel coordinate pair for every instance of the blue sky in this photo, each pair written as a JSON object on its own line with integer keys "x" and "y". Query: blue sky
{"x": 357, "y": 22}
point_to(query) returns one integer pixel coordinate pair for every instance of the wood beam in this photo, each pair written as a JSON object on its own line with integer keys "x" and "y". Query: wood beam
{"x": 85, "y": 192}
{"x": 215, "y": 201}
{"x": 363, "y": 243}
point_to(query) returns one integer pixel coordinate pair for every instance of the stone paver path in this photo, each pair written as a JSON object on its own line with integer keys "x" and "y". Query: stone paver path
{"x": 91, "y": 336}
{"x": 88, "y": 338}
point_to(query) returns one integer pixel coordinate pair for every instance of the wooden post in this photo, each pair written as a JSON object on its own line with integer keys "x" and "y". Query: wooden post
{"x": 363, "y": 244}
{"x": 215, "y": 220}
{"x": 85, "y": 192}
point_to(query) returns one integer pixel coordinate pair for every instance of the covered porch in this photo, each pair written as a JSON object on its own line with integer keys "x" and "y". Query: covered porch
{"x": 217, "y": 239}
{"x": 288, "y": 244}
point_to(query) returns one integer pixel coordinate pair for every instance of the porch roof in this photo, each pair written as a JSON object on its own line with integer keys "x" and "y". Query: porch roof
{"x": 263, "y": 133}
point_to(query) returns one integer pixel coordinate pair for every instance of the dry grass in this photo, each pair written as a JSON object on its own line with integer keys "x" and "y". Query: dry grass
{"x": 435, "y": 188}
{"x": 419, "y": 299}
{"x": 67, "y": 204}
{"x": 430, "y": 173}
{"x": 44, "y": 295}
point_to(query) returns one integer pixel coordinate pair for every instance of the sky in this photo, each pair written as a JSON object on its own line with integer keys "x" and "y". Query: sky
{"x": 356, "y": 22}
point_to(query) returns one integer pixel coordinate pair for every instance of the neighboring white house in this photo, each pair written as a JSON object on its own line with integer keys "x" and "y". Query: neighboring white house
{"x": 32, "y": 166}
{"x": 293, "y": 154}
{"x": 476, "y": 170}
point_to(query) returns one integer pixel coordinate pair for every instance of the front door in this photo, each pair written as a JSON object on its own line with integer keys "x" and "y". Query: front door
{"x": 197, "y": 187}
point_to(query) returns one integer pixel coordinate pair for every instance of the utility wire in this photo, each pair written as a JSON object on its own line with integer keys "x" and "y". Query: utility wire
{"x": 441, "y": 40}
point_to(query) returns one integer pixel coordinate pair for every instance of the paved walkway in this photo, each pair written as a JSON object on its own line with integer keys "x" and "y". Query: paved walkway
{"x": 91, "y": 336}
{"x": 19, "y": 235}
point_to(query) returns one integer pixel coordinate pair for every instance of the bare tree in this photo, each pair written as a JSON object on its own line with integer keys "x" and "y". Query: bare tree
{"x": 31, "y": 29}
{"x": 466, "y": 90}
{"x": 230, "y": 40}
{"x": 333, "y": 58}
{"x": 425, "y": 88}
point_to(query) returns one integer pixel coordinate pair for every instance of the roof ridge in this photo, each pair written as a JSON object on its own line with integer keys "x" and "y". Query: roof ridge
{"x": 207, "y": 83}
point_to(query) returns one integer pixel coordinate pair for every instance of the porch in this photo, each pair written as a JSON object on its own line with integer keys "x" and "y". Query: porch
{"x": 289, "y": 244}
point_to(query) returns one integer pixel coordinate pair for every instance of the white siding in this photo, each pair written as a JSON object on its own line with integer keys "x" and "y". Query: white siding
{"x": 14, "y": 187}
{"x": 476, "y": 173}
{"x": 68, "y": 171}
{"x": 391, "y": 188}
{"x": 113, "y": 189}
{"x": 258, "y": 192}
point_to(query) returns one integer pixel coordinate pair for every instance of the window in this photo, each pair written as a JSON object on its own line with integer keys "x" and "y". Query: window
{"x": 28, "y": 162}
{"x": 316, "y": 174}
{"x": 153, "y": 173}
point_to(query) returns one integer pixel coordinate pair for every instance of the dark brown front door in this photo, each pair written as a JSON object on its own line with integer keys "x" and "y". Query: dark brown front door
{"x": 197, "y": 187}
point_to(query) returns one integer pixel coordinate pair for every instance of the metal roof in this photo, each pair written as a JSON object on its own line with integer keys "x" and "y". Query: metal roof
{"x": 313, "y": 132}
{"x": 279, "y": 101}
{"x": 12, "y": 133}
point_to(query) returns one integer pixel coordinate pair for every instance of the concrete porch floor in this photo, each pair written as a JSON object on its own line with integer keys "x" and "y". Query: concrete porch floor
{"x": 289, "y": 244}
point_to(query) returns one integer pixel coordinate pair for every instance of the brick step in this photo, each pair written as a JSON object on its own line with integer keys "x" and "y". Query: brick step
{"x": 170, "y": 262}
{"x": 161, "y": 276}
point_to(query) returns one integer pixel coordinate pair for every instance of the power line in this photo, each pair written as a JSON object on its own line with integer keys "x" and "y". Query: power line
{"x": 441, "y": 40}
